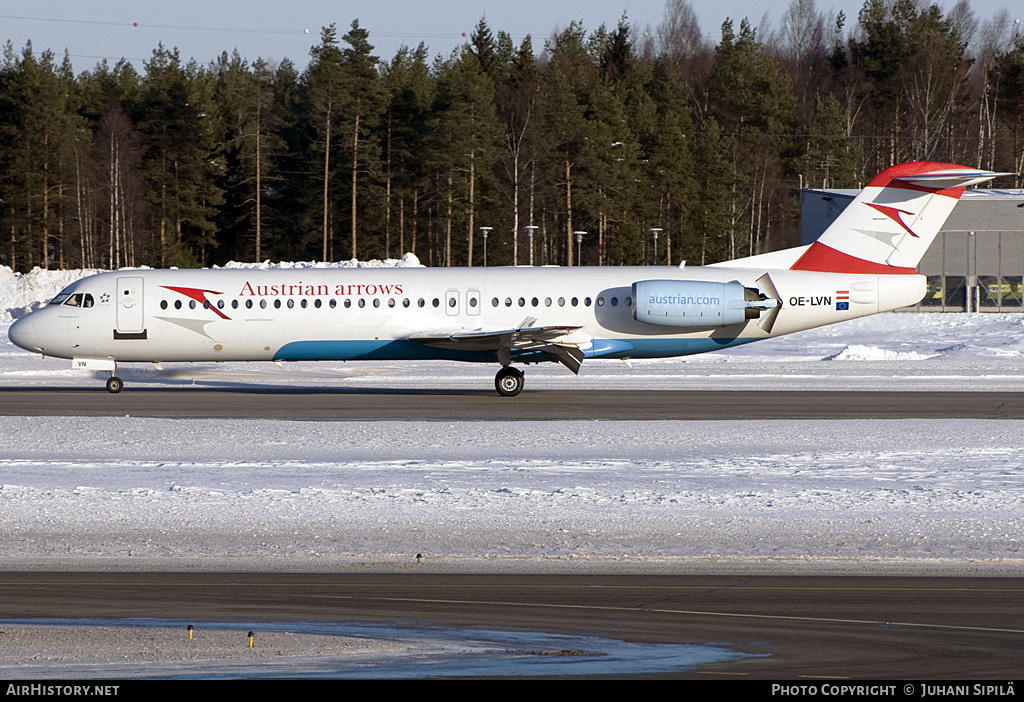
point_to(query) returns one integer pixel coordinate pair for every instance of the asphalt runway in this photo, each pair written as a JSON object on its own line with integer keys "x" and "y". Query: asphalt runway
{"x": 326, "y": 404}
{"x": 801, "y": 627}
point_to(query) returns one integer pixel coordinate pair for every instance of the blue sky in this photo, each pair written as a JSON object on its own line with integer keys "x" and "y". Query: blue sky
{"x": 277, "y": 29}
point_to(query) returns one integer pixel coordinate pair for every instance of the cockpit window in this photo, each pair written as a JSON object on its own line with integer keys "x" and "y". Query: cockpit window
{"x": 73, "y": 300}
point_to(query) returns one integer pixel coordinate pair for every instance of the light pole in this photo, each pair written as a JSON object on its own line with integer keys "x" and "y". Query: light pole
{"x": 485, "y": 231}
{"x": 579, "y": 240}
{"x": 529, "y": 230}
{"x": 654, "y": 232}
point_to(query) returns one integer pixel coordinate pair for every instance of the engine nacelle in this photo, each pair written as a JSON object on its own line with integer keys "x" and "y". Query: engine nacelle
{"x": 696, "y": 303}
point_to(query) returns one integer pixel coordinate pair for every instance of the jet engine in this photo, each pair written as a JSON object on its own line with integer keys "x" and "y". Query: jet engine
{"x": 696, "y": 303}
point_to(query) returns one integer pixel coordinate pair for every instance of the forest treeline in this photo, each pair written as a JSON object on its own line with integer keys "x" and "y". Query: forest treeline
{"x": 660, "y": 145}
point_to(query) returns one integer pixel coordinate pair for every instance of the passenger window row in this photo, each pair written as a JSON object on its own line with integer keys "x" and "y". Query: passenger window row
{"x": 376, "y": 302}
{"x": 548, "y": 302}
{"x": 290, "y": 303}
{"x": 536, "y": 302}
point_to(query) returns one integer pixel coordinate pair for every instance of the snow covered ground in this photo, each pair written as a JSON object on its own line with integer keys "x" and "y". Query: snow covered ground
{"x": 659, "y": 496}
{"x": 928, "y": 495}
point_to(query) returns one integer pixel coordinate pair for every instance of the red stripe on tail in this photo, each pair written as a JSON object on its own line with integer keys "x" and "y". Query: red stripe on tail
{"x": 823, "y": 259}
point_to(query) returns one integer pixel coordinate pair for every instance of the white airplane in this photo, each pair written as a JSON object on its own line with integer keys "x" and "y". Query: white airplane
{"x": 864, "y": 263}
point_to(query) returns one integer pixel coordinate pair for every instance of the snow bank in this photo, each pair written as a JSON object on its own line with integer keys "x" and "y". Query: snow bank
{"x": 860, "y": 352}
{"x": 409, "y": 260}
{"x": 22, "y": 293}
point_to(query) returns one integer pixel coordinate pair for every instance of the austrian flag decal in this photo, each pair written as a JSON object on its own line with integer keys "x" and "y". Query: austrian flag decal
{"x": 842, "y": 300}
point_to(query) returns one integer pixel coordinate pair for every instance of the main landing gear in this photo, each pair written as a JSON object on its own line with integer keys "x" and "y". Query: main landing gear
{"x": 509, "y": 381}
{"x": 115, "y": 385}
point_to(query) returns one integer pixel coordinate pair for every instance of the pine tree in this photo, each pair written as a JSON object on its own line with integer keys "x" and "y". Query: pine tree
{"x": 38, "y": 127}
{"x": 326, "y": 88}
{"x": 465, "y": 138}
{"x": 410, "y": 95}
{"x": 180, "y": 161}
{"x": 362, "y": 103}
{"x": 1010, "y": 96}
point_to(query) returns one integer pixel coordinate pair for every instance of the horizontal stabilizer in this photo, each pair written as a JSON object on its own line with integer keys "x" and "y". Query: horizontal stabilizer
{"x": 952, "y": 178}
{"x": 892, "y": 222}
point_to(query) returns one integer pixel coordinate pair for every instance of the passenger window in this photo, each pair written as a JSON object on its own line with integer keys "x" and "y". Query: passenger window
{"x": 290, "y": 303}
{"x": 437, "y": 303}
{"x": 391, "y": 302}
{"x": 248, "y": 304}
{"x": 508, "y": 302}
{"x": 522, "y": 302}
{"x": 586, "y": 302}
{"x": 574, "y": 302}
{"x": 277, "y": 304}
{"x": 615, "y": 302}
{"x": 561, "y": 302}
{"x": 534, "y": 302}
{"x": 348, "y": 302}
{"x": 234, "y": 304}
{"x": 316, "y": 303}
{"x": 628, "y": 302}
{"x": 376, "y": 302}
{"x": 263, "y": 303}
{"x": 421, "y": 302}
{"x": 333, "y": 303}
{"x": 303, "y": 303}
{"x": 362, "y": 302}
{"x": 206, "y": 304}
{"x": 220, "y": 304}
{"x": 163, "y": 304}
{"x": 177, "y": 304}
{"x": 405, "y": 302}
{"x": 191, "y": 304}
{"x": 494, "y": 302}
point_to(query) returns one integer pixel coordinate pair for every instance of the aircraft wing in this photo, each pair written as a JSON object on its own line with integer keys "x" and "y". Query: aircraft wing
{"x": 552, "y": 340}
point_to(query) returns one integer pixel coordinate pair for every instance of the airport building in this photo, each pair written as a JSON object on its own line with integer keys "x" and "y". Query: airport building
{"x": 976, "y": 262}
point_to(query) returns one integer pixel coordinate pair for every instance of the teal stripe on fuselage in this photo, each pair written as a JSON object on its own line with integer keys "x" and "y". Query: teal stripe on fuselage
{"x": 331, "y": 350}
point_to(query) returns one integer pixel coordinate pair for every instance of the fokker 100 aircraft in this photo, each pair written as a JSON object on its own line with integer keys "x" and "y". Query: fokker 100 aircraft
{"x": 864, "y": 263}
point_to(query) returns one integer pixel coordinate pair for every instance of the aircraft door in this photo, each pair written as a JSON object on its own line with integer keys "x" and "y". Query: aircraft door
{"x": 129, "y": 305}
{"x": 451, "y": 302}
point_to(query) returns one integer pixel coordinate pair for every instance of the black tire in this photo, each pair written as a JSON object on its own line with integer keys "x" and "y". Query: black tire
{"x": 509, "y": 382}
{"x": 115, "y": 385}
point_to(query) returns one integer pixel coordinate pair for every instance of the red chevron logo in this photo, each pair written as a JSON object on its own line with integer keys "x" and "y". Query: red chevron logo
{"x": 894, "y": 214}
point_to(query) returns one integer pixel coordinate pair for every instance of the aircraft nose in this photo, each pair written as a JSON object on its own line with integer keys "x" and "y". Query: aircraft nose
{"x": 23, "y": 333}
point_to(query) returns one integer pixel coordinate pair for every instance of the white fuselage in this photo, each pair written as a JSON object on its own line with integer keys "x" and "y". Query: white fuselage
{"x": 372, "y": 313}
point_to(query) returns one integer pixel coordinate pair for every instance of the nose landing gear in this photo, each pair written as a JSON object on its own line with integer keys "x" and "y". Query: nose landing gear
{"x": 115, "y": 384}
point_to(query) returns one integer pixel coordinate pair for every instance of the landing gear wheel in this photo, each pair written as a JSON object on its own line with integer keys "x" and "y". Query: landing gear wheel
{"x": 509, "y": 382}
{"x": 115, "y": 384}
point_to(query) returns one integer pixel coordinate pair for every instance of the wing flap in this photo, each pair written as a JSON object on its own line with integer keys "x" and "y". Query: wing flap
{"x": 550, "y": 339}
